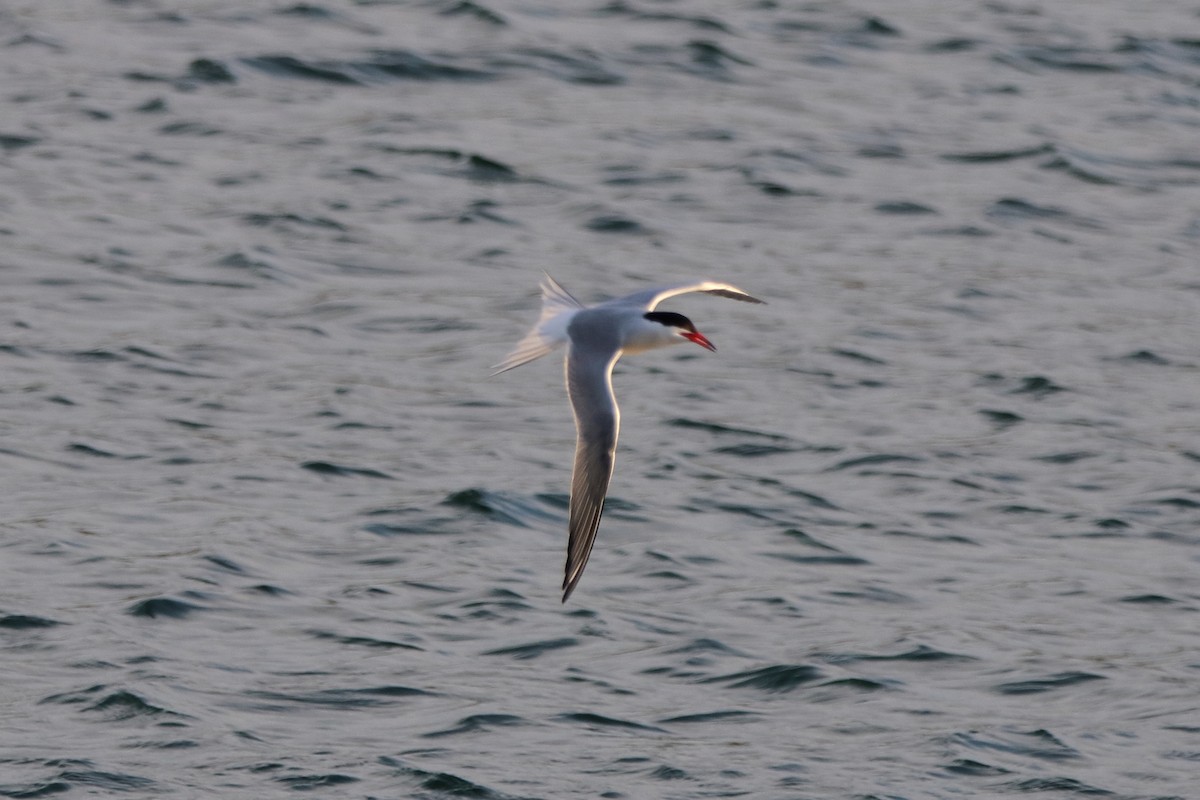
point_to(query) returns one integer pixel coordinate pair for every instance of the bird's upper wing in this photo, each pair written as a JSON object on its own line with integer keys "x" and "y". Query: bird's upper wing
{"x": 649, "y": 298}
{"x": 597, "y": 421}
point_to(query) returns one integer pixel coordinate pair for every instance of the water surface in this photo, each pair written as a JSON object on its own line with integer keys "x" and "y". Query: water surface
{"x": 925, "y": 526}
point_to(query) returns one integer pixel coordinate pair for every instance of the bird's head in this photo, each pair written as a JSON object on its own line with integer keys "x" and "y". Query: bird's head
{"x": 680, "y": 326}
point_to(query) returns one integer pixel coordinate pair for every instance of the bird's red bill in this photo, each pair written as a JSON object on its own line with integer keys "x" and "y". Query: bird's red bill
{"x": 700, "y": 339}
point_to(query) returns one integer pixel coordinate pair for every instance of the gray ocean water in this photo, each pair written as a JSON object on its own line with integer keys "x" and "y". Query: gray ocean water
{"x": 926, "y": 526}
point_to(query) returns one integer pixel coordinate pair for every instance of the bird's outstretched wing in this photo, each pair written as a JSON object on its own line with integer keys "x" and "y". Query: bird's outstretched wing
{"x": 649, "y": 298}
{"x": 597, "y": 422}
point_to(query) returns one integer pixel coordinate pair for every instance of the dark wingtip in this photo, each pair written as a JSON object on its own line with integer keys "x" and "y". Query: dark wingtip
{"x": 736, "y": 295}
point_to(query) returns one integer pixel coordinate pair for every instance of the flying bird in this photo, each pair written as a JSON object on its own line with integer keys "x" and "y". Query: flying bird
{"x": 596, "y": 336}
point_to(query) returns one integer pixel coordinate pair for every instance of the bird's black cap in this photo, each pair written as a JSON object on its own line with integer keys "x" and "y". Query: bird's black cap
{"x": 671, "y": 320}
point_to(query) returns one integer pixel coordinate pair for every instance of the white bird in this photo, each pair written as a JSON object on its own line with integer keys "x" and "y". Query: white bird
{"x": 596, "y": 336}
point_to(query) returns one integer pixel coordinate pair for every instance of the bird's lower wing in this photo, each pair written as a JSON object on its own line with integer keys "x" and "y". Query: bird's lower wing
{"x": 597, "y": 421}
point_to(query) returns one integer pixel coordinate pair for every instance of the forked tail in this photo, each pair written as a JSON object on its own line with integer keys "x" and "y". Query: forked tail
{"x": 558, "y": 306}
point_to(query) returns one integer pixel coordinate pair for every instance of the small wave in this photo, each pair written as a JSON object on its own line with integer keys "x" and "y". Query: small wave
{"x": 344, "y": 699}
{"x": 920, "y": 654}
{"x": 774, "y": 679}
{"x": 164, "y": 608}
{"x": 377, "y": 66}
{"x": 106, "y": 781}
{"x": 875, "y": 460}
{"x": 124, "y": 705}
{"x": 363, "y": 641}
{"x": 526, "y": 652}
{"x": 305, "y": 783}
{"x": 477, "y": 723}
{"x": 1040, "y": 744}
{"x": 711, "y": 716}
{"x": 26, "y": 622}
{"x": 444, "y": 784}
{"x": 1048, "y": 683}
{"x": 497, "y": 505}
{"x": 340, "y": 471}
{"x": 599, "y": 721}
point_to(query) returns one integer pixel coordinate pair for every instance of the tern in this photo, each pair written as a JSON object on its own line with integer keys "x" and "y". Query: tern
{"x": 596, "y": 337}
